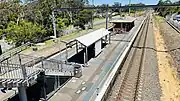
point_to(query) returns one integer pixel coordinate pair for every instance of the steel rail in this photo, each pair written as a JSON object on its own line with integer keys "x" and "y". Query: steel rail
{"x": 133, "y": 71}
{"x": 111, "y": 78}
{"x": 173, "y": 26}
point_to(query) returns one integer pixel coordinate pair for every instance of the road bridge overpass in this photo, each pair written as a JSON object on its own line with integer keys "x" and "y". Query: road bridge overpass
{"x": 120, "y": 7}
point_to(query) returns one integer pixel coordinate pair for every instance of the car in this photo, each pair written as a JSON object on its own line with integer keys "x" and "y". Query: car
{"x": 178, "y": 17}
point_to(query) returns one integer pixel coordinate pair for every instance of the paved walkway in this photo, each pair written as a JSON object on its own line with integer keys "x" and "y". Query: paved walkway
{"x": 8, "y": 94}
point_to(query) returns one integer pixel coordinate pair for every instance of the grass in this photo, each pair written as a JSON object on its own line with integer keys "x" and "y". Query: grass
{"x": 97, "y": 19}
{"x": 65, "y": 38}
{"x": 159, "y": 19}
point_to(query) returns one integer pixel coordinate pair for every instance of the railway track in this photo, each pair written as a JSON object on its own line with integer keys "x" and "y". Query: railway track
{"x": 130, "y": 85}
{"x": 173, "y": 26}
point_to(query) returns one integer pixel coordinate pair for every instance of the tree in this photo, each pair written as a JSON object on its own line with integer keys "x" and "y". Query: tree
{"x": 103, "y": 10}
{"x": 83, "y": 18}
{"x": 60, "y": 23}
{"x": 10, "y": 11}
{"x": 116, "y": 4}
{"x": 32, "y": 19}
{"x": 24, "y": 32}
{"x": 163, "y": 11}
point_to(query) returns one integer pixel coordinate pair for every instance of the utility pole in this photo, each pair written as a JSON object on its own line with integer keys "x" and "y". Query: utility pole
{"x": 92, "y": 14}
{"x": 22, "y": 88}
{"x": 107, "y": 17}
{"x": 120, "y": 10}
{"x": 54, "y": 24}
{"x": 129, "y": 8}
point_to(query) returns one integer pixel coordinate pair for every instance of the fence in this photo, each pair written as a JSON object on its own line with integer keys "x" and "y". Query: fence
{"x": 24, "y": 67}
{"x": 12, "y": 52}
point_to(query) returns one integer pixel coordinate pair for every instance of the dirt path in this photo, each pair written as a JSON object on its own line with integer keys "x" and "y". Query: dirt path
{"x": 170, "y": 85}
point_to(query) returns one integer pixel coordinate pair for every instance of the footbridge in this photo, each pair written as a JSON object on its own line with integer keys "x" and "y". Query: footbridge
{"x": 25, "y": 74}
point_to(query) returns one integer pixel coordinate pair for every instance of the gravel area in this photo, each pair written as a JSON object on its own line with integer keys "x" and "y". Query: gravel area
{"x": 151, "y": 90}
{"x": 171, "y": 38}
{"x": 170, "y": 85}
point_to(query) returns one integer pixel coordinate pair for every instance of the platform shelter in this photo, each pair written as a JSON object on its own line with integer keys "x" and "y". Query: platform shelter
{"x": 92, "y": 43}
{"x": 122, "y": 25}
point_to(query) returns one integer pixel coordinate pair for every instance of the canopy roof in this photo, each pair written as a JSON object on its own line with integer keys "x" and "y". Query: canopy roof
{"x": 92, "y": 37}
{"x": 125, "y": 20}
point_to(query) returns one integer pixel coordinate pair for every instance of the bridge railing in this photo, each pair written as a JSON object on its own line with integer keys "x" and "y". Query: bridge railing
{"x": 13, "y": 52}
{"x": 55, "y": 66}
{"x": 10, "y": 71}
{"x": 33, "y": 67}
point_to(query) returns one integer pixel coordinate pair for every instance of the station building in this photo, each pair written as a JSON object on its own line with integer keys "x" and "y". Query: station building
{"x": 122, "y": 25}
{"x": 90, "y": 45}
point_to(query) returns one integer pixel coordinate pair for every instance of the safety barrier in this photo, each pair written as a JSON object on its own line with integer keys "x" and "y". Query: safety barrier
{"x": 12, "y": 52}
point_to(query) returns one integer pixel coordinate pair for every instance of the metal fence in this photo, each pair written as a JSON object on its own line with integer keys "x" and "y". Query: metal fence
{"x": 12, "y": 52}
{"x": 24, "y": 67}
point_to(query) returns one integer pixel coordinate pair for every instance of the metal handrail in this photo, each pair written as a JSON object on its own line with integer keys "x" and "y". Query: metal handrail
{"x": 12, "y": 52}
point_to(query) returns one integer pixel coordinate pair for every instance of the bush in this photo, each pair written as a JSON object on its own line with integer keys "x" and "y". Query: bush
{"x": 24, "y": 32}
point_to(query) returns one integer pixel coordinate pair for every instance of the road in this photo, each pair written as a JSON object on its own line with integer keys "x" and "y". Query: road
{"x": 174, "y": 22}
{"x": 95, "y": 23}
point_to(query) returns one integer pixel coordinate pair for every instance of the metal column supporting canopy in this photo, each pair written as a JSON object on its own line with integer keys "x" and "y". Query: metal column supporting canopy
{"x": 22, "y": 93}
{"x": 91, "y": 38}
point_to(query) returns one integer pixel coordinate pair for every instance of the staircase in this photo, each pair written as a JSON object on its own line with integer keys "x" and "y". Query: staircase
{"x": 15, "y": 75}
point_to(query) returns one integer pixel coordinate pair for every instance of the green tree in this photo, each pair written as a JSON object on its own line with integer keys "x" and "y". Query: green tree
{"x": 163, "y": 11}
{"x": 24, "y": 32}
{"x": 83, "y": 18}
{"x": 32, "y": 19}
{"x": 60, "y": 25}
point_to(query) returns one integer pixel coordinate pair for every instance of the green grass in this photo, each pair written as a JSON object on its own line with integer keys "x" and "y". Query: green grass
{"x": 65, "y": 38}
{"x": 159, "y": 19}
{"x": 97, "y": 19}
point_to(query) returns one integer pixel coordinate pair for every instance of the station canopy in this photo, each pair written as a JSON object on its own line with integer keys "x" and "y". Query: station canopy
{"x": 92, "y": 37}
{"x": 124, "y": 20}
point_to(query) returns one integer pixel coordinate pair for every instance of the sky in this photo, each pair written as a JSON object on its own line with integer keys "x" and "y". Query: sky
{"x": 110, "y": 2}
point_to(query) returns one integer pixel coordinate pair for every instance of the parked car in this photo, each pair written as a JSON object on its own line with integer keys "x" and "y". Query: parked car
{"x": 178, "y": 17}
